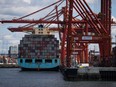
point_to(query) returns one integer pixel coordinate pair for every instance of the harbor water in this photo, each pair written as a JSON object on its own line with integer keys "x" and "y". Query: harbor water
{"x": 14, "y": 77}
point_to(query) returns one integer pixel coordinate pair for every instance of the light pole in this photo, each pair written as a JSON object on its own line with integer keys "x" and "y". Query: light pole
{"x": 115, "y": 40}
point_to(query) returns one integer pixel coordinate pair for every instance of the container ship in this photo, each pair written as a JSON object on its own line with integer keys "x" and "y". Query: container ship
{"x": 39, "y": 51}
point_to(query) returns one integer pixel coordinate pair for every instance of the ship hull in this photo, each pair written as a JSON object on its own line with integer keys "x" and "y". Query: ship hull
{"x": 38, "y": 64}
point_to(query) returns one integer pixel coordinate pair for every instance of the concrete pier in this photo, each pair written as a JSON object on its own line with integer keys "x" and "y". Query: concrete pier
{"x": 92, "y": 74}
{"x": 9, "y": 66}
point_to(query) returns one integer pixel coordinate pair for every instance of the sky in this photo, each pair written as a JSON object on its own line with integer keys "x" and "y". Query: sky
{"x": 10, "y": 9}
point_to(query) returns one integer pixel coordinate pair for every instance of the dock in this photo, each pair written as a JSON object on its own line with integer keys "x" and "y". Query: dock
{"x": 9, "y": 66}
{"x": 90, "y": 73}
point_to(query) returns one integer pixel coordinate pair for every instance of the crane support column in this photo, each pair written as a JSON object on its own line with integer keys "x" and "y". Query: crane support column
{"x": 105, "y": 45}
{"x": 69, "y": 34}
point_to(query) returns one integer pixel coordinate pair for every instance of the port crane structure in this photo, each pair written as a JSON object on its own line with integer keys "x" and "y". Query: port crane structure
{"x": 77, "y": 25}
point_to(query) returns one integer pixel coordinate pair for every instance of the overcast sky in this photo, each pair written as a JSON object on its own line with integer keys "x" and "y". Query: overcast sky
{"x": 16, "y": 8}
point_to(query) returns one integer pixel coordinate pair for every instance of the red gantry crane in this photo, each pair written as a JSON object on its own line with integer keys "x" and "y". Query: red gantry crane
{"x": 78, "y": 26}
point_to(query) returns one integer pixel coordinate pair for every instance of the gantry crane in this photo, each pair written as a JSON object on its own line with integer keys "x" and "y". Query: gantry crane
{"x": 79, "y": 27}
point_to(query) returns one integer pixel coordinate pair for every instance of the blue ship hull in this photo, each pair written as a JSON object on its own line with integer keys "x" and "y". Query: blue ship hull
{"x": 38, "y": 64}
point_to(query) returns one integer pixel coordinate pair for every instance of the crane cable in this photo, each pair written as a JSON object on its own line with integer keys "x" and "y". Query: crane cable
{"x": 40, "y": 10}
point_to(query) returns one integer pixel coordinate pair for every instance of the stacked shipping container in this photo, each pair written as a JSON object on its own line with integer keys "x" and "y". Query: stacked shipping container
{"x": 39, "y": 46}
